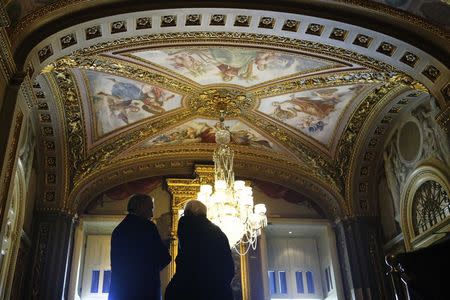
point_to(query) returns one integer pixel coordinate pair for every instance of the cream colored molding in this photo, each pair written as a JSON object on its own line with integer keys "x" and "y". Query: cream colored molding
{"x": 430, "y": 171}
{"x": 27, "y": 91}
{"x": 50, "y": 145}
{"x": 360, "y": 183}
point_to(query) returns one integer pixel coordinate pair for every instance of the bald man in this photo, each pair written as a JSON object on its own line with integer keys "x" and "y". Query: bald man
{"x": 137, "y": 254}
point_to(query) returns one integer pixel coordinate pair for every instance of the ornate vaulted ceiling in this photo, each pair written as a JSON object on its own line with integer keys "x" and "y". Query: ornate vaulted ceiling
{"x": 307, "y": 100}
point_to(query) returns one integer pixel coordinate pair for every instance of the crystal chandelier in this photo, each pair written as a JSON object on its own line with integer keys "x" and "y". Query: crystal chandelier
{"x": 230, "y": 206}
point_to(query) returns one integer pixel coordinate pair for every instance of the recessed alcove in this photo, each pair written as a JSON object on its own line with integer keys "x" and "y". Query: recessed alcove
{"x": 409, "y": 141}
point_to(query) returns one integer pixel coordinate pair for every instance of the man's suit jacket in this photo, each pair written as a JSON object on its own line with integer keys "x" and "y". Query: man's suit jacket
{"x": 137, "y": 257}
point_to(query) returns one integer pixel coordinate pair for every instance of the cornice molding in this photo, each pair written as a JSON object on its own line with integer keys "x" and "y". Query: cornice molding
{"x": 160, "y": 165}
{"x": 4, "y": 17}
{"x": 50, "y": 13}
{"x": 6, "y": 58}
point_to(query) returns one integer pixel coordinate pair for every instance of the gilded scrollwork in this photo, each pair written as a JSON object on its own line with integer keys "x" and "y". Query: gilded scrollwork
{"x": 311, "y": 160}
{"x": 80, "y": 161}
{"x": 10, "y": 162}
{"x": 321, "y": 81}
{"x": 132, "y": 71}
{"x": 211, "y": 101}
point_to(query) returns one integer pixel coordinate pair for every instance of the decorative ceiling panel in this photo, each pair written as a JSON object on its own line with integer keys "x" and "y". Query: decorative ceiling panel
{"x": 203, "y": 131}
{"x": 244, "y": 66}
{"x": 117, "y": 102}
{"x": 315, "y": 112}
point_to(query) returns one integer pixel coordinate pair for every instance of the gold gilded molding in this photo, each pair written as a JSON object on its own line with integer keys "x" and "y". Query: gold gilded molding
{"x": 10, "y": 162}
{"x": 320, "y": 81}
{"x": 6, "y": 58}
{"x": 130, "y": 70}
{"x": 236, "y": 38}
{"x": 181, "y": 161}
{"x": 80, "y": 162}
{"x": 443, "y": 119}
{"x": 210, "y": 102}
{"x": 348, "y": 144}
{"x": 311, "y": 160}
{"x": 27, "y": 91}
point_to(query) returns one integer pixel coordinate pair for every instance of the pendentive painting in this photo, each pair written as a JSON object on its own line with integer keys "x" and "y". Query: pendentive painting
{"x": 203, "y": 131}
{"x": 118, "y": 102}
{"x": 314, "y": 112}
{"x": 232, "y": 65}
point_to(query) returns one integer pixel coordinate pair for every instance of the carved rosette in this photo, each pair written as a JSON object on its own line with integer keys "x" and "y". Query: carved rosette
{"x": 210, "y": 102}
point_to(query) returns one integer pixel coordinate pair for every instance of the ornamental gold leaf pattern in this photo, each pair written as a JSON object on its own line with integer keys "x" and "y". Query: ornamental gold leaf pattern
{"x": 79, "y": 162}
{"x": 129, "y": 70}
{"x": 102, "y": 157}
{"x": 211, "y": 102}
{"x": 320, "y": 81}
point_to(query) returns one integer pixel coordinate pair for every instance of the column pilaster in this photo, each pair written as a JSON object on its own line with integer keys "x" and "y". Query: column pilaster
{"x": 52, "y": 251}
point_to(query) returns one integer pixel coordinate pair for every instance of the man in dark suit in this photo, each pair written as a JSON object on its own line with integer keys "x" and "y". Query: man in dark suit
{"x": 205, "y": 266}
{"x": 137, "y": 254}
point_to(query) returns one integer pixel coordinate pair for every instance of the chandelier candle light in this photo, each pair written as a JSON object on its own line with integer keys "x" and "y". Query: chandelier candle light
{"x": 230, "y": 206}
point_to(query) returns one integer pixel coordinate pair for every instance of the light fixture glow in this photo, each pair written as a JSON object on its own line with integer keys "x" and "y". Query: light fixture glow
{"x": 230, "y": 206}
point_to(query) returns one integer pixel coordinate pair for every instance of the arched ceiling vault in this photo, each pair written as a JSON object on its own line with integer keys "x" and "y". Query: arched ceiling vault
{"x": 116, "y": 102}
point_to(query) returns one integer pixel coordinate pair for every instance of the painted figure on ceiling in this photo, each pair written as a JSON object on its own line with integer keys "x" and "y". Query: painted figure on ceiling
{"x": 234, "y": 62}
{"x": 152, "y": 97}
{"x": 118, "y": 107}
{"x": 186, "y": 60}
{"x": 202, "y": 132}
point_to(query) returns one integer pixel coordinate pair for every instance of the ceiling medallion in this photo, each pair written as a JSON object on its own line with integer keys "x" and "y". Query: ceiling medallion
{"x": 210, "y": 102}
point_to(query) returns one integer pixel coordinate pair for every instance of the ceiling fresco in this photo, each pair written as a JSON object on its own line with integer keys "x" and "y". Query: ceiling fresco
{"x": 117, "y": 102}
{"x": 300, "y": 98}
{"x": 315, "y": 112}
{"x": 242, "y": 66}
{"x": 203, "y": 131}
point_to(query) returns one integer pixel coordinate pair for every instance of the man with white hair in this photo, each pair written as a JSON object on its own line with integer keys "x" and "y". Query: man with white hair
{"x": 205, "y": 266}
{"x": 137, "y": 254}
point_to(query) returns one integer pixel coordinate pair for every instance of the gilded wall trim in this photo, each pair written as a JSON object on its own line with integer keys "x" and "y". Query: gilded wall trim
{"x": 160, "y": 165}
{"x": 6, "y": 58}
{"x": 443, "y": 119}
{"x": 80, "y": 162}
{"x": 353, "y": 137}
{"x": 10, "y": 163}
{"x": 4, "y": 18}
